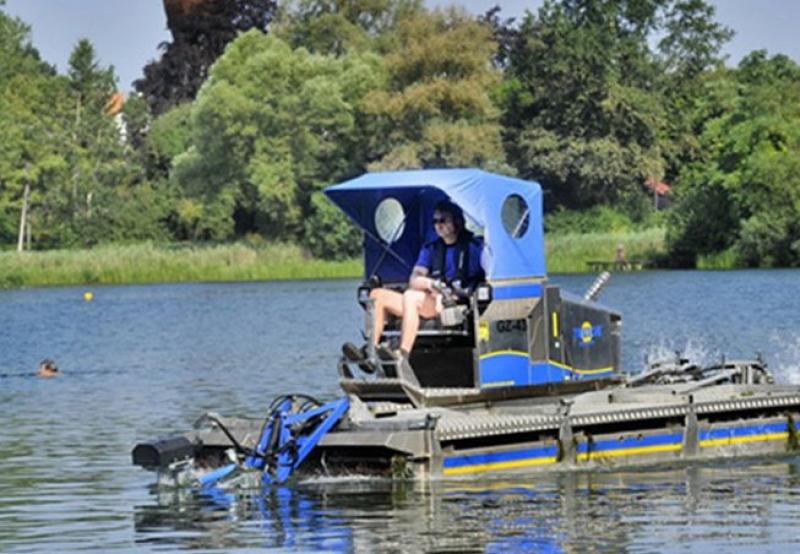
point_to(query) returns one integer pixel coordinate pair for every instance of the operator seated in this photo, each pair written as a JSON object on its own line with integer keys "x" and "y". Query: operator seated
{"x": 454, "y": 258}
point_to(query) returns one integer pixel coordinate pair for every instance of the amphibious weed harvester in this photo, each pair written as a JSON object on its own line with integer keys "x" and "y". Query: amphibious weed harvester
{"x": 520, "y": 376}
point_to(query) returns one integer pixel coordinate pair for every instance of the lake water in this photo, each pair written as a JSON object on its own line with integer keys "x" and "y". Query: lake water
{"x": 140, "y": 362}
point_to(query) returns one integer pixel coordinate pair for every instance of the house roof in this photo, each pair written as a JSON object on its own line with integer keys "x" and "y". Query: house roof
{"x": 659, "y": 187}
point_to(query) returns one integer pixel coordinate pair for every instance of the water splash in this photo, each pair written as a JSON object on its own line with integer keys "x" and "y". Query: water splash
{"x": 784, "y": 358}
{"x": 668, "y": 350}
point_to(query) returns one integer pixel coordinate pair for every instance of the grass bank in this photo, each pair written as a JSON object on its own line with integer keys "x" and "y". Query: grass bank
{"x": 147, "y": 263}
{"x": 570, "y": 253}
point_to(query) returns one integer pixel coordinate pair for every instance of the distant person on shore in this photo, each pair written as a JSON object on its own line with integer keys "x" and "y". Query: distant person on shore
{"x": 47, "y": 368}
{"x": 619, "y": 255}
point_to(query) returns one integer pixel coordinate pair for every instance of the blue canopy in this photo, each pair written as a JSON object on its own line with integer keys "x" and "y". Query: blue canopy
{"x": 506, "y": 211}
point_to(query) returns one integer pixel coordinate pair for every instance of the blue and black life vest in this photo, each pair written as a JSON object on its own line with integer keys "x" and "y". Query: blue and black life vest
{"x": 465, "y": 239}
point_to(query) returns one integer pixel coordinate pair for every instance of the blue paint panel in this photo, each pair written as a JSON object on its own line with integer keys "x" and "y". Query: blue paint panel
{"x": 495, "y": 457}
{"x": 607, "y": 445}
{"x": 547, "y": 373}
{"x": 503, "y": 368}
{"x": 729, "y": 432}
{"x": 544, "y": 372}
{"x": 513, "y": 292}
{"x": 515, "y": 368}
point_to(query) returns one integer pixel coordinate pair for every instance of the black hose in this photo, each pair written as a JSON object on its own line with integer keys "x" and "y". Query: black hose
{"x": 236, "y": 444}
{"x": 294, "y": 397}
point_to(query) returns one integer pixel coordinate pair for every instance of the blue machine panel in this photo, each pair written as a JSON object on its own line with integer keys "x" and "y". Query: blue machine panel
{"x": 504, "y": 369}
{"x": 513, "y": 369}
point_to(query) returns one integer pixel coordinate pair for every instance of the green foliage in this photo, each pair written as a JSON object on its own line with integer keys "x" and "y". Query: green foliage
{"x": 272, "y": 126}
{"x": 726, "y": 259}
{"x": 170, "y": 133}
{"x": 91, "y": 85}
{"x": 437, "y": 110}
{"x": 138, "y": 120}
{"x": 692, "y": 41}
{"x": 703, "y": 221}
{"x": 58, "y": 139}
{"x": 599, "y": 219}
{"x": 770, "y": 239}
{"x": 744, "y": 192}
{"x": 329, "y": 234}
{"x": 31, "y": 98}
{"x": 338, "y": 27}
{"x": 585, "y": 98}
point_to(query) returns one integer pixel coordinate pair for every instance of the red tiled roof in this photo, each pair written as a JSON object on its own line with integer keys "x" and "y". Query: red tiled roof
{"x": 659, "y": 187}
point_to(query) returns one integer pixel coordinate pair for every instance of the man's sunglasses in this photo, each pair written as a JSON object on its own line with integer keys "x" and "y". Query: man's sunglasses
{"x": 437, "y": 220}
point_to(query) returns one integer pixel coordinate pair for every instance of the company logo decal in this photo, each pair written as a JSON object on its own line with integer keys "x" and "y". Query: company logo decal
{"x": 587, "y": 333}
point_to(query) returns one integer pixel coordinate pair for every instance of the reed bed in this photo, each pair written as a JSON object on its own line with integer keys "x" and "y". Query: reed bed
{"x": 727, "y": 259}
{"x": 571, "y": 253}
{"x": 148, "y": 263}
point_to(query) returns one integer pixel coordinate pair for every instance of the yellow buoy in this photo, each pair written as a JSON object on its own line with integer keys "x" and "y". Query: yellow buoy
{"x": 88, "y": 295}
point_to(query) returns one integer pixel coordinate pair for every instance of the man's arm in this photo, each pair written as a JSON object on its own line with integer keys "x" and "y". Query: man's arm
{"x": 419, "y": 279}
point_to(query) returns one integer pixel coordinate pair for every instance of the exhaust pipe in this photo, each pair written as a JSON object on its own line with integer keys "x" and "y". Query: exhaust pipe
{"x": 594, "y": 291}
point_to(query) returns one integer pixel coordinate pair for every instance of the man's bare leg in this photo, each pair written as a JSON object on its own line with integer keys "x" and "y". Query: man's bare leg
{"x": 416, "y": 304}
{"x": 385, "y": 301}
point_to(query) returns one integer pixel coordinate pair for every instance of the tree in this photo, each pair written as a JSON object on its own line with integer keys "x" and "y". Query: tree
{"x": 271, "y": 127}
{"x": 340, "y": 26}
{"x": 59, "y": 142}
{"x": 200, "y": 32}
{"x": 749, "y": 168}
{"x": 692, "y": 41}
{"x": 76, "y": 201}
{"x": 689, "y": 57}
{"x": 437, "y": 110}
{"x": 584, "y": 102}
{"x": 31, "y": 100}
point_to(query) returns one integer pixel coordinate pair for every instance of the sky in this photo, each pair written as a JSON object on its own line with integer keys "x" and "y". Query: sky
{"x": 126, "y": 33}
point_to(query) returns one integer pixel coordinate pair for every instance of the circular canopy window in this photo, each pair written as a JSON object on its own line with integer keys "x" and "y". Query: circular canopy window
{"x": 515, "y": 215}
{"x": 390, "y": 219}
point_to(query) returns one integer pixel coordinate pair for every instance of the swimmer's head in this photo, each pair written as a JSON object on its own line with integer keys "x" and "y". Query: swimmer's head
{"x": 47, "y": 368}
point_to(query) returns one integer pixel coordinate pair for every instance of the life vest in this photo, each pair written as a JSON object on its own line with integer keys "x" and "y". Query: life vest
{"x": 465, "y": 239}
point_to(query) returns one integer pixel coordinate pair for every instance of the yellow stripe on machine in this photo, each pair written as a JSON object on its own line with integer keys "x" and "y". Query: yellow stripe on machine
{"x": 729, "y": 441}
{"x": 592, "y": 371}
{"x": 503, "y": 353}
{"x": 581, "y": 371}
{"x": 630, "y": 451}
{"x": 496, "y": 466}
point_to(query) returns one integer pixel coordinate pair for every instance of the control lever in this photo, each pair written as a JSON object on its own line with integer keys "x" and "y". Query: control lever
{"x": 452, "y": 313}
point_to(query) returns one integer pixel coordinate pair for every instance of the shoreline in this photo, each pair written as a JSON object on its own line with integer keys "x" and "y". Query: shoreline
{"x": 148, "y": 263}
